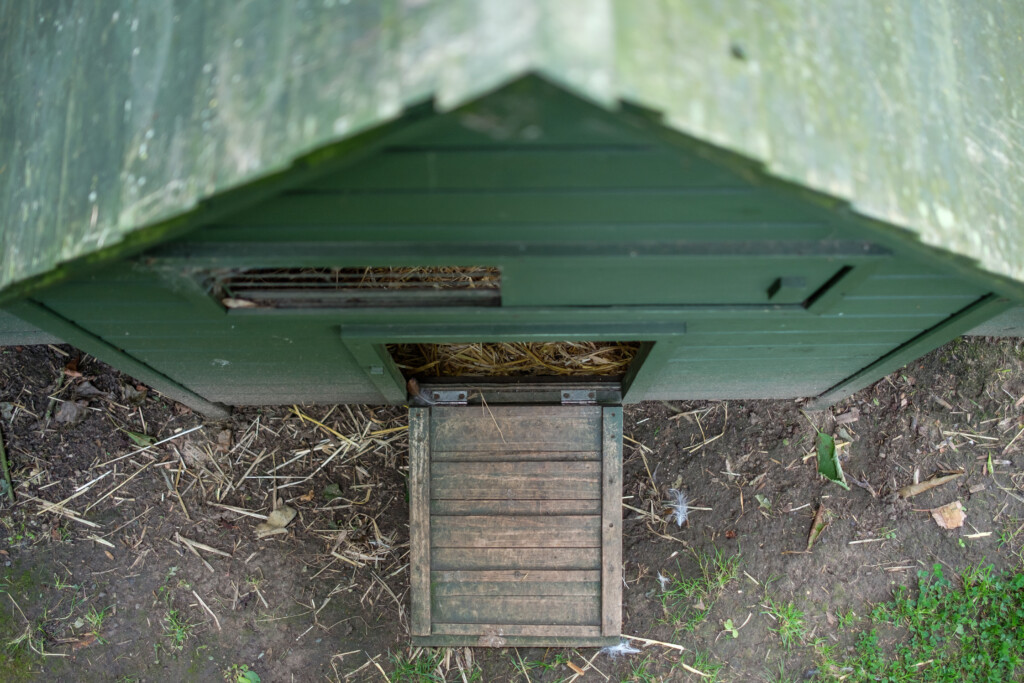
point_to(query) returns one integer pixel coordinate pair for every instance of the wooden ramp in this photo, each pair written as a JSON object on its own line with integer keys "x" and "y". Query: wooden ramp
{"x": 516, "y": 525}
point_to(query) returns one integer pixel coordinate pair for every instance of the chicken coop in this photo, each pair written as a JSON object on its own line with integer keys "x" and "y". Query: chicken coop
{"x": 563, "y": 207}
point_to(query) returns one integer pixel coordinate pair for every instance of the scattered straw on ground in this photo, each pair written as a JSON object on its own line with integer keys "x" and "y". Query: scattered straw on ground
{"x": 515, "y": 359}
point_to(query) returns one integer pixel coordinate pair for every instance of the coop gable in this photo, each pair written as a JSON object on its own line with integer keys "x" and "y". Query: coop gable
{"x": 601, "y": 226}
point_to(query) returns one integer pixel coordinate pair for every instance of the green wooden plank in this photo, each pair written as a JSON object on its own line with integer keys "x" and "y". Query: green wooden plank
{"x": 15, "y": 331}
{"x": 667, "y": 281}
{"x": 917, "y": 286}
{"x": 528, "y": 167}
{"x": 938, "y": 335}
{"x": 46, "y": 319}
{"x": 511, "y": 207}
{"x": 231, "y": 238}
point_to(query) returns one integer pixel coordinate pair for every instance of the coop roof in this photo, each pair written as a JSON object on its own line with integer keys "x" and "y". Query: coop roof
{"x": 121, "y": 120}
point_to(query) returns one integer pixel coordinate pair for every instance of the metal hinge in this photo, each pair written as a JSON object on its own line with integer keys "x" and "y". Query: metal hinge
{"x": 578, "y": 397}
{"x": 447, "y": 397}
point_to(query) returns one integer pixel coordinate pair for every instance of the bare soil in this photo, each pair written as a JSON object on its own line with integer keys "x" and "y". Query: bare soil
{"x": 327, "y": 599}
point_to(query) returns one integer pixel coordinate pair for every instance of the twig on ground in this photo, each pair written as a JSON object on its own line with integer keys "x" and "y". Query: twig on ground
{"x": 207, "y": 608}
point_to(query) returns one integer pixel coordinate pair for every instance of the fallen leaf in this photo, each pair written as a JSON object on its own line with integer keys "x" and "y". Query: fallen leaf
{"x": 817, "y": 526}
{"x": 276, "y": 522}
{"x": 332, "y": 491}
{"x": 71, "y": 412}
{"x": 849, "y": 416}
{"x": 828, "y": 461}
{"x": 223, "y": 443}
{"x": 87, "y": 390}
{"x": 110, "y": 555}
{"x": 84, "y": 641}
{"x": 71, "y": 369}
{"x": 950, "y": 516}
{"x": 140, "y": 439}
{"x": 914, "y": 489}
{"x": 135, "y": 395}
{"x": 730, "y": 534}
{"x": 305, "y": 498}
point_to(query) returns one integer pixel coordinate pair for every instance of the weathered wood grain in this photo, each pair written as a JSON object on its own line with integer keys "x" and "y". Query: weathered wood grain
{"x": 419, "y": 520}
{"x": 517, "y": 588}
{"x": 513, "y": 456}
{"x": 516, "y": 507}
{"x": 515, "y": 641}
{"x": 516, "y": 428}
{"x": 514, "y": 575}
{"x": 515, "y": 558}
{"x": 515, "y": 481}
{"x": 516, "y": 531}
{"x": 611, "y": 524}
{"x": 565, "y": 630}
{"x": 516, "y": 609}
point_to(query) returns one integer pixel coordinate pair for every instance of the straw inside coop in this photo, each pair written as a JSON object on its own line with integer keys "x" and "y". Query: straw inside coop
{"x": 516, "y": 359}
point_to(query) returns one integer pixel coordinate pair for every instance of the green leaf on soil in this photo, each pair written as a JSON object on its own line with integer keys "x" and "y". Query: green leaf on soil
{"x": 332, "y": 491}
{"x": 828, "y": 461}
{"x": 141, "y": 440}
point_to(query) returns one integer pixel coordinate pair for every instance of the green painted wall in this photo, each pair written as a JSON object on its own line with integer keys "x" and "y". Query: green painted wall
{"x": 602, "y": 229}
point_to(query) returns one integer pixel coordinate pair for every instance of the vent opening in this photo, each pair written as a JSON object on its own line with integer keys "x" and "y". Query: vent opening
{"x": 357, "y": 287}
{"x": 516, "y": 359}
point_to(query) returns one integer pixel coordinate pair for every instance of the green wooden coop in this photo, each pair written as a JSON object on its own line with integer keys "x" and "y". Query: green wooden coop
{"x": 259, "y": 203}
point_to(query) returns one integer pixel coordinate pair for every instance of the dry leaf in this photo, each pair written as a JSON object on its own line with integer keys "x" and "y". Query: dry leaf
{"x": 110, "y": 556}
{"x": 949, "y": 516}
{"x": 305, "y": 498}
{"x": 276, "y": 522}
{"x": 817, "y": 526}
{"x": 84, "y": 641}
{"x": 914, "y": 489}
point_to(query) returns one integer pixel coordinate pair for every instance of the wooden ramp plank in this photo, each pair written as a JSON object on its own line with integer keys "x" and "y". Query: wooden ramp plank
{"x": 611, "y": 524}
{"x": 443, "y": 629}
{"x": 516, "y": 428}
{"x": 518, "y": 609}
{"x": 515, "y": 480}
{"x": 515, "y": 558}
{"x": 515, "y": 456}
{"x": 514, "y": 641}
{"x": 419, "y": 520}
{"x": 515, "y": 507}
{"x": 509, "y": 588}
{"x": 516, "y": 531}
{"x": 514, "y": 576}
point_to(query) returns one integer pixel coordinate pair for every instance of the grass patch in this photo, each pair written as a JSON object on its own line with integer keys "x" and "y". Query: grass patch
{"x": 687, "y": 601}
{"x": 944, "y": 633}
{"x": 177, "y": 629}
{"x": 427, "y": 668}
{"x": 789, "y": 622}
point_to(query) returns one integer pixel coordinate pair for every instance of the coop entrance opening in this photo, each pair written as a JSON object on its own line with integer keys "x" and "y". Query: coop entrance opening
{"x": 516, "y": 361}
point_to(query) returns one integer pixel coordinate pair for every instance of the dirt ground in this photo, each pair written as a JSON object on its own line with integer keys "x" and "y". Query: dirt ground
{"x": 130, "y": 562}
